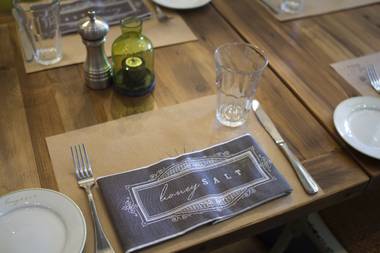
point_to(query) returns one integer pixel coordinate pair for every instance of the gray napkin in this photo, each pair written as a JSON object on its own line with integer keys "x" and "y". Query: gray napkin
{"x": 167, "y": 199}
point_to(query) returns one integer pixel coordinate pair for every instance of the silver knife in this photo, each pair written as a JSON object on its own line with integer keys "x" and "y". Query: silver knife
{"x": 308, "y": 183}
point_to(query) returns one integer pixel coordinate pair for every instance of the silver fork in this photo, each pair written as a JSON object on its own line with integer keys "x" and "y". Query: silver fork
{"x": 373, "y": 77}
{"x": 86, "y": 180}
{"x": 161, "y": 16}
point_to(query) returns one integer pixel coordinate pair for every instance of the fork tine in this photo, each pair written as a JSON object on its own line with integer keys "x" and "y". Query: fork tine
{"x": 370, "y": 72}
{"x": 75, "y": 161}
{"x": 83, "y": 165}
{"x": 373, "y": 70}
{"x": 89, "y": 169}
{"x": 373, "y": 77}
{"x": 84, "y": 160}
{"x": 80, "y": 161}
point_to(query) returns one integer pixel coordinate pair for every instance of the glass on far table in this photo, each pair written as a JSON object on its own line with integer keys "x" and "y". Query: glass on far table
{"x": 292, "y": 6}
{"x": 238, "y": 70}
{"x": 39, "y": 19}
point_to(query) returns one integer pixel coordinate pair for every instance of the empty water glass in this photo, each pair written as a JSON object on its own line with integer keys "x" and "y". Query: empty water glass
{"x": 40, "y": 21}
{"x": 292, "y": 6}
{"x": 238, "y": 70}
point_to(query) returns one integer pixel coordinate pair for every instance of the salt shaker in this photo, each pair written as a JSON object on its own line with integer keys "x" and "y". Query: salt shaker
{"x": 98, "y": 71}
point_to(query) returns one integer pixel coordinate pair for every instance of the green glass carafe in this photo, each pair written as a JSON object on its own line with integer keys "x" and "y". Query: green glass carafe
{"x": 133, "y": 60}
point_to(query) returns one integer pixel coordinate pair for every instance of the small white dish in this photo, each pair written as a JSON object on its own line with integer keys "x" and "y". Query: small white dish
{"x": 182, "y": 4}
{"x": 40, "y": 220}
{"x": 358, "y": 123}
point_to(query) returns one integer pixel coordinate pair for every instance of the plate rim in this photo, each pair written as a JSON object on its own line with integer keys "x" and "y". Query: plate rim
{"x": 337, "y": 124}
{"x": 180, "y": 8}
{"x": 60, "y": 194}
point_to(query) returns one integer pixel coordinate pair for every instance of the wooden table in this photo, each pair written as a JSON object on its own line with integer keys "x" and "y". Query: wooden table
{"x": 299, "y": 98}
{"x": 301, "y": 52}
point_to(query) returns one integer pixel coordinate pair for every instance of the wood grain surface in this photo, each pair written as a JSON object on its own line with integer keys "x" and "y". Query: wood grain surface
{"x": 143, "y": 139}
{"x": 299, "y": 93}
{"x": 301, "y": 52}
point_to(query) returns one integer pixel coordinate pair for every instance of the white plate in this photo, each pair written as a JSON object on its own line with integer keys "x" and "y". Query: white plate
{"x": 358, "y": 122}
{"x": 182, "y": 4}
{"x": 40, "y": 220}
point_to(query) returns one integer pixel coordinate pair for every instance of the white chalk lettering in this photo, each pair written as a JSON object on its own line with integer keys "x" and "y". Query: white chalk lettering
{"x": 216, "y": 181}
{"x": 190, "y": 190}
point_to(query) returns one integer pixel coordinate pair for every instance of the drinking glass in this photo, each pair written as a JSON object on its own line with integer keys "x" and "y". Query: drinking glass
{"x": 40, "y": 21}
{"x": 292, "y": 6}
{"x": 238, "y": 70}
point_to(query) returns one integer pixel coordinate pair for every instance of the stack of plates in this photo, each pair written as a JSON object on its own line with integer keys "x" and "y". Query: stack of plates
{"x": 40, "y": 220}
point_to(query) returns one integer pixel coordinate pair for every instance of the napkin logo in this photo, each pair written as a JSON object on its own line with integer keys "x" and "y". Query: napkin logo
{"x": 191, "y": 189}
{"x": 198, "y": 185}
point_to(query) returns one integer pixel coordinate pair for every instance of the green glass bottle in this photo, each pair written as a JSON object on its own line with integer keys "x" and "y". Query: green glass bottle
{"x": 133, "y": 60}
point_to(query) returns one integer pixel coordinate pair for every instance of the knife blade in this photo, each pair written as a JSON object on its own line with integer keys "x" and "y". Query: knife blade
{"x": 307, "y": 181}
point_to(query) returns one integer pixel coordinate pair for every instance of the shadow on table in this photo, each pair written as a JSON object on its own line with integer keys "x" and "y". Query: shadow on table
{"x": 122, "y": 106}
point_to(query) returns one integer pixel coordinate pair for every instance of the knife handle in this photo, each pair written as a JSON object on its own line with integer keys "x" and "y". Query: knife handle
{"x": 308, "y": 183}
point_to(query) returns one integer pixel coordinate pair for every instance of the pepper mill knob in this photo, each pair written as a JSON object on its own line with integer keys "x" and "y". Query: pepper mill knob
{"x": 91, "y": 15}
{"x": 98, "y": 71}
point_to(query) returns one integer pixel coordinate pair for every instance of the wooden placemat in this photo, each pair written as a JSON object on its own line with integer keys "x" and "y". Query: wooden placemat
{"x": 174, "y": 31}
{"x": 143, "y": 139}
{"x": 354, "y": 71}
{"x": 313, "y": 7}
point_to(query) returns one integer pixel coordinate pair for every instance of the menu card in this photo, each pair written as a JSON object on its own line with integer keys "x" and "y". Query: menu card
{"x": 155, "y": 203}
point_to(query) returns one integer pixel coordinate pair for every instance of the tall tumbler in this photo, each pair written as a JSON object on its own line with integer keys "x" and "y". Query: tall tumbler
{"x": 40, "y": 21}
{"x": 238, "y": 70}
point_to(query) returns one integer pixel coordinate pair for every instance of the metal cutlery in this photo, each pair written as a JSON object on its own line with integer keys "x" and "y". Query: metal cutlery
{"x": 308, "y": 183}
{"x": 373, "y": 77}
{"x": 86, "y": 181}
{"x": 161, "y": 16}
